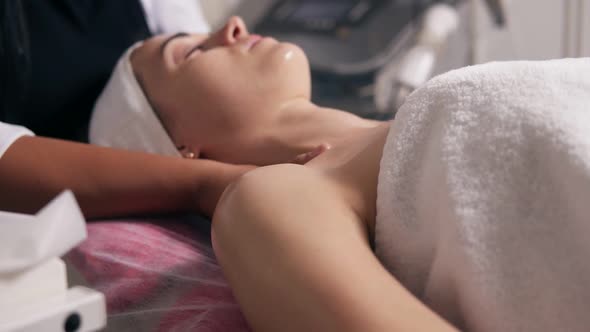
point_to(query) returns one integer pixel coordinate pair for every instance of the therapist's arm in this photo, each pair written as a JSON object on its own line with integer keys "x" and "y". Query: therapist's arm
{"x": 108, "y": 182}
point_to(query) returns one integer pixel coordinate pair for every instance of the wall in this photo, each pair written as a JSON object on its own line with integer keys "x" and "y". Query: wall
{"x": 585, "y": 27}
{"x": 217, "y": 11}
{"x": 536, "y": 30}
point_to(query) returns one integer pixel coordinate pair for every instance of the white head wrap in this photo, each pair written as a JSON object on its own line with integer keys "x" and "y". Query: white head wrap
{"x": 123, "y": 117}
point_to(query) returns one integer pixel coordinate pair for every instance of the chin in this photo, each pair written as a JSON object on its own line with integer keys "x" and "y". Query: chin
{"x": 292, "y": 52}
{"x": 287, "y": 56}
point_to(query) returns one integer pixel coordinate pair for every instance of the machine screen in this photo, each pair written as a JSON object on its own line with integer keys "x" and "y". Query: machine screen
{"x": 318, "y": 15}
{"x": 332, "y": 9}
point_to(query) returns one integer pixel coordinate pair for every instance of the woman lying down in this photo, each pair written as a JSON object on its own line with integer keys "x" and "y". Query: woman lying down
{"x": 469, "y": 211}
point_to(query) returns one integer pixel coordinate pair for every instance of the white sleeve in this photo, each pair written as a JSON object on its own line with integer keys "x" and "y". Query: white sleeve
{"x": 9, "y": 134}
{"x": 172, "y": 16}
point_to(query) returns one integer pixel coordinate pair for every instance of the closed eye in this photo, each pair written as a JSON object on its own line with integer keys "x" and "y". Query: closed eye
{"x": 195, "y": 49}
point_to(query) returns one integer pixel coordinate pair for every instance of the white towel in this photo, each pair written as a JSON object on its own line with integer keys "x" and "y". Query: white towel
{"x": 123, "y": 117}
{"x": 484, "y": 196}
{"x": 173, "y": 16}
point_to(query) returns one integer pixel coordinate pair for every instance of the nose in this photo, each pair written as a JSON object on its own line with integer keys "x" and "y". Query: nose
{"x": 233, "y": 31}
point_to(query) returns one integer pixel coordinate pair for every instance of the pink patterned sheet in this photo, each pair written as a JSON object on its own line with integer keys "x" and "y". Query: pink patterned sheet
{"x": 157, "y": 276}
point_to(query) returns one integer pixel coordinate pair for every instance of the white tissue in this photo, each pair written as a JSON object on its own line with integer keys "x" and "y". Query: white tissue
{"x": 29, "y": 240}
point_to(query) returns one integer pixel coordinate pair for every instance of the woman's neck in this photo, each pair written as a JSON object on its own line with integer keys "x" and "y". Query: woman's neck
{"x": 301, "y": 126}
{"x": 354, "y": 159}
{"x": 354, "y": 166}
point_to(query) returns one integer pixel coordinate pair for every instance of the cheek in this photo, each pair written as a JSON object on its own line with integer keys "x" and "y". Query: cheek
{"x": 219, "y": 99}
{"x": 232, "y": 84}
{"x": 160, "y": 93}
{"x": 222, "y": 91}
{"x": 227, "y": 91}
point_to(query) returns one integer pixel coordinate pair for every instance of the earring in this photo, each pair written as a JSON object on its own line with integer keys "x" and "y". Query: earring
{"x": 186, "y": 153}
{"x": 189, "y": 155}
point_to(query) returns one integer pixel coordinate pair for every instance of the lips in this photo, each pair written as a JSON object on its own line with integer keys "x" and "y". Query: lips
{"x": 252, "y": 41}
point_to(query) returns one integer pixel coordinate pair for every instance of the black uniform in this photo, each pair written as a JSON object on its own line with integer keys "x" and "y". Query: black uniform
{"x": 56, "y": 57}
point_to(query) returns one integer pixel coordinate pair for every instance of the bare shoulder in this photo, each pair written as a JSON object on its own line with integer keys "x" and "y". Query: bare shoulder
{"x": 275, "y": 179}
{"x": 281, "y": 192}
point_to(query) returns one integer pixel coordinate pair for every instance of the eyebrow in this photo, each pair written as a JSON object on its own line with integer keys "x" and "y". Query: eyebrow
{"x": 167, "y": 41}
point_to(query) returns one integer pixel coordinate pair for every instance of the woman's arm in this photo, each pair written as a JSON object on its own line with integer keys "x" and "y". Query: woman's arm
{"x": 299, "y": 259}
{"x": 108, "y": 182}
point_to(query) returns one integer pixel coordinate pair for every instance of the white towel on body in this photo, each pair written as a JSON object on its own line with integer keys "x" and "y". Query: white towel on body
{"x": 484, "y": 196}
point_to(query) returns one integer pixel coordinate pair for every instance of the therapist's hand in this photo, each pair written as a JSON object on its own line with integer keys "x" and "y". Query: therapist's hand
{"x": 109, "y": 182}
{"x": 210, "y": 188}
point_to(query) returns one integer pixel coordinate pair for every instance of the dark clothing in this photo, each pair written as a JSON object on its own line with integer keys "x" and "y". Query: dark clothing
{"x": 56, "y": 57}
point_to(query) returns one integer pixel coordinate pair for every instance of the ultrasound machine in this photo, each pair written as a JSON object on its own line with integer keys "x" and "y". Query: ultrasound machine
{"x": 366, "y": 56}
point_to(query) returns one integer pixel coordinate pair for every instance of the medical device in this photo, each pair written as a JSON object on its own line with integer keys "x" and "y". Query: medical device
{"x": 343, "y": 37}
{"x": 398, "y": 79}
{"x": 353, "y": 46}
{"x": 34, "y": 294}
{"x": 497, "y": 11}
{"x": 39, "y": 300}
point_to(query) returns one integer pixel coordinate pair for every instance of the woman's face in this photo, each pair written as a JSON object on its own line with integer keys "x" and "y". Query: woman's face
{"x": 219, "y": 88}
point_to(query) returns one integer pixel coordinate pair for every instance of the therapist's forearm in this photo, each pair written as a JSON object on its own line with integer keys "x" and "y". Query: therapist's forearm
{"x": 108, "y": 182}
